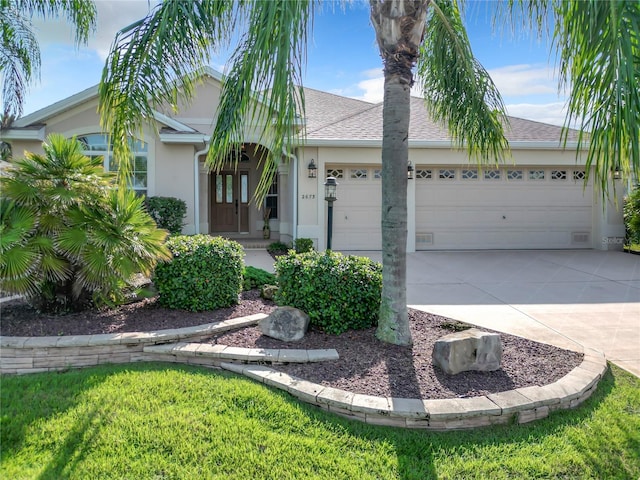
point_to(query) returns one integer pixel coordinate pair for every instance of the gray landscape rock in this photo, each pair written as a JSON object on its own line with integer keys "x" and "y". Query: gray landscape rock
{"x": 285, "y": 323}
{"x": 470, "y": 349}
{"x": 268, "y": 291}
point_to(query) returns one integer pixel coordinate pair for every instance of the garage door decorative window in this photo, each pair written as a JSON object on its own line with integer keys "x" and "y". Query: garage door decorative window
{"x": 335, "y": 173}
{"x": 492, "y": 175}
{"x": 515, "y": 175}
{"x": 558, "y": 174}
{"x": 359, "y": 174}
{"x": 424, "y": 174}
{"x": 579, "y": 174}
{"x": 469, "y": 174}
{"x": 447, "y": 174}
{"x": 536, "y": 174}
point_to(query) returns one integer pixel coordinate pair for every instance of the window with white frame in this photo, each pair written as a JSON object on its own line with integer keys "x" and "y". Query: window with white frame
{"x": 271, "y": 200}
{"x": 97, "y": 145}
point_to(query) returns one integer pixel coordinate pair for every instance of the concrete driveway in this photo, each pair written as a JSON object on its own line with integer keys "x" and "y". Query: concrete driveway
{"x": 568, "y": 298}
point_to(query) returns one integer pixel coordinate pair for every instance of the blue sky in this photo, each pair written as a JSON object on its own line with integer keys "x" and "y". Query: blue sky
{"x": 342, "y": 59}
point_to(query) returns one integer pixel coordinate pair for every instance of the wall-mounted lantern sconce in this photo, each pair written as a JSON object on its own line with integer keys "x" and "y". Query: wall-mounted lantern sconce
{"x": 617, "y": 174}
{"x": 409, "y": 171}
{"x": 313, "y": 170}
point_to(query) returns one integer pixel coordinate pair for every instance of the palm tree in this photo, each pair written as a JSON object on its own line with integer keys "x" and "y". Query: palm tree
{"x": 597, "y": 44}
{"x": 67, "y": 234}
{"x": 19, "y": 49}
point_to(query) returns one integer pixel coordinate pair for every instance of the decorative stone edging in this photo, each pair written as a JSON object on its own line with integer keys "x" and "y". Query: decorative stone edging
{"x": 223, "y": 352}
{"x": 521, "y": 405}
{"x": 20, "y": 355}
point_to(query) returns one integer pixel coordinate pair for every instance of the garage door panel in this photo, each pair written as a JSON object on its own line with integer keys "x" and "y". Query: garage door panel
{"x": 471, "y": 213}
{"x": 516, "y": 239}
{"x": 460, "y": 195}
{"x": 445, "y": 217}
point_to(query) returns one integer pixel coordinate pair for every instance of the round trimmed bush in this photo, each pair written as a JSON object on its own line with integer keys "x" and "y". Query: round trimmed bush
{"x": 338, "y": 292}
{"x": 205, "y": 273}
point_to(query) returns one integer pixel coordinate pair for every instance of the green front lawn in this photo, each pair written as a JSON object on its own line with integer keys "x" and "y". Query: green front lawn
{"x": 156, "y": 421}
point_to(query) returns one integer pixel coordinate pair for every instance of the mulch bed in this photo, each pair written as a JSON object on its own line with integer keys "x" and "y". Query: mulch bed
{"x": 366, "y": 365}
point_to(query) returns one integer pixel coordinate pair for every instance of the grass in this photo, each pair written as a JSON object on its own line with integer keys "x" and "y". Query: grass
{"x": 635, "y": 248}
{"x": 156, "y": 421}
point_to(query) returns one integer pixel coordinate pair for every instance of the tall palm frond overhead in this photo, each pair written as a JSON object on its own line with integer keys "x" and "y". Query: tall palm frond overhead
{"x": 19, "y": 48}
{"x": 156, "y": 61}
{"x": 148, "y": 63}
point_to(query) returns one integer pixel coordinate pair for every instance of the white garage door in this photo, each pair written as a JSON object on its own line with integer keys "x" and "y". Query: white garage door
{"x": 510, "y": 208}
{"x": 356, "y": 213}
{"x": 467, "y": 208}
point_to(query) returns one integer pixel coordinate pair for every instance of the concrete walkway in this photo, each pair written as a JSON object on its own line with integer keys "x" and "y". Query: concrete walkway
{"x": 565, "y": 298}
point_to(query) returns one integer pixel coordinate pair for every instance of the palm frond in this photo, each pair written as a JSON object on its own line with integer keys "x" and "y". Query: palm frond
{"x": 458, "y": 91}
{"x": 153, "y": 64}
{"x": 598, "y": 43}
{"x": 19, "y": 59}
{"x": 269, "y": 59}
{"x": 81, "y": 14}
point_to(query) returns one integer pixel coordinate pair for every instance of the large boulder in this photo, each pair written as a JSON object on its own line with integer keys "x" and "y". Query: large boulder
{"x": 470, "y": 349}
{"x": 285, "y": 323}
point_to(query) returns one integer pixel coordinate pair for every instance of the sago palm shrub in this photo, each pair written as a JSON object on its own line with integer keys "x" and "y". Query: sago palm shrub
{"x": 68, "y": 237}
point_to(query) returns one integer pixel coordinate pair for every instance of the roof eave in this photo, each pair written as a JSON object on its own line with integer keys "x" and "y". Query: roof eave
{"x": 23, "y": 134}
{"x": 437, "y": 144}
{"x": 184, "y": 138}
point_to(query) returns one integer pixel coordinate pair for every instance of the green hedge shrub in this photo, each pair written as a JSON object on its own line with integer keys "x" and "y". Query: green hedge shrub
{"x": 205, "y": 273}
{"x": 631, "y": 214}
{"x": 168, "y": 212}
{"x": 278, "y": 248}
{"x": 338, "y": 292}
{"x": 253, "y": 277}
{"x": 303, "y": 245}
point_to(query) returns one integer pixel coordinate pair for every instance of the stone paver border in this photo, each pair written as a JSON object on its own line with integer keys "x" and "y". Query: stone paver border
{"x": 521, "y": 405}
{"x": 19, "y": 355}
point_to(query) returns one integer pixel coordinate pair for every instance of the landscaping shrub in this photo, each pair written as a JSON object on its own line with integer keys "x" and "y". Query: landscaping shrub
{"x": 69, "y": 238}
{"x": 631, "y": 214}
{"x": 303, "y": 245}
{"x": 205, "y": 273}
{"x": 338, "y": 292}
{"x": 168, "y": 212}
{"x": 278, "y": 248}
{"x": 253, "y": 277}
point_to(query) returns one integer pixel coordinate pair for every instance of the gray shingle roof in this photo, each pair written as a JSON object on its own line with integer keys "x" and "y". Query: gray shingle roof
{"x": 332, "y": 117}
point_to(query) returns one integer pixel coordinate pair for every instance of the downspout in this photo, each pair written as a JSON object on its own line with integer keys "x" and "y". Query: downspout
{"x": 196, "y": 186}
{"x": 294, "y": 229}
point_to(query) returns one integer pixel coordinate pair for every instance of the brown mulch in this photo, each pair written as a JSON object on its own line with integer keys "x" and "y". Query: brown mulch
{"x": 366, "y": 365}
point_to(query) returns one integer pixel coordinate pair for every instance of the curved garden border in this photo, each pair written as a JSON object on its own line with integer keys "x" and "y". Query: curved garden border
{"x": 21, "y": 355}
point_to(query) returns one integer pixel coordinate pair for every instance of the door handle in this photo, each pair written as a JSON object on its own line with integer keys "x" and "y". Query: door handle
{"x": 236, "y": 206}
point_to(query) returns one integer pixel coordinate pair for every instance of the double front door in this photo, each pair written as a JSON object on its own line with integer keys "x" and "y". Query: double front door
{"x": 230, "y": 202}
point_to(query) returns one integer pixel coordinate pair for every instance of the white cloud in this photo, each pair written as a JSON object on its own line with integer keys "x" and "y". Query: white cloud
{"x": 373, "y": 87}
{"x": 524, "y": 80}
{"x": 113, "y": 15}
{"x": 552, "y": 113}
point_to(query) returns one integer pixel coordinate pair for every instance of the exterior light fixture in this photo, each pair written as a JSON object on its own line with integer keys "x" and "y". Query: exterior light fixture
{"x": 330, "y": 186}
{"x": 409, "y": 171}
{"x": 617, "y": 174}
{"x": 313, "y": 170}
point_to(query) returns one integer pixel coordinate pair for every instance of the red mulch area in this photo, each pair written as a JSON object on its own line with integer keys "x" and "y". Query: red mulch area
{"x": 366, "y": 365}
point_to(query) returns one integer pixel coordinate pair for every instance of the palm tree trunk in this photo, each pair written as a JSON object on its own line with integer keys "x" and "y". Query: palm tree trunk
{"x": 393, "y": 323}
{"x": 399, "y": 26}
